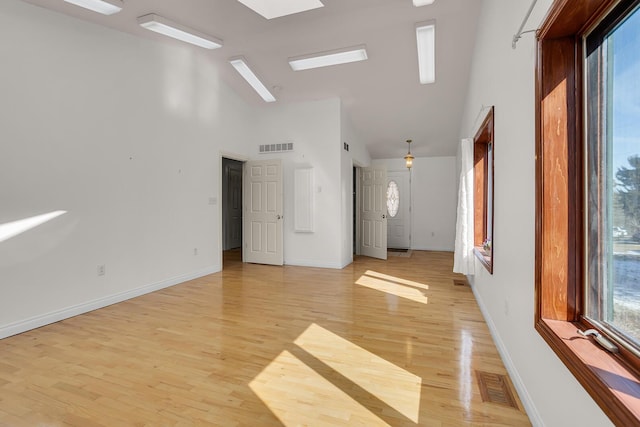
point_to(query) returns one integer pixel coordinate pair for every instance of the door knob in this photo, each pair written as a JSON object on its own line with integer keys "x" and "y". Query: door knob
{"x": 279, "y": 217}
{"x": 384, "y": 216}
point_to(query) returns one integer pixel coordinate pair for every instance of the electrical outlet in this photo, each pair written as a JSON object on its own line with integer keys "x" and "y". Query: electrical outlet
{"x": 195, "y": 251}
{"x": 101, "y": 270}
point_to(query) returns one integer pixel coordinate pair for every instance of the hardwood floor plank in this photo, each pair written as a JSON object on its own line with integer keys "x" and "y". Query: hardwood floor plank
{"x": 377, "y": 343}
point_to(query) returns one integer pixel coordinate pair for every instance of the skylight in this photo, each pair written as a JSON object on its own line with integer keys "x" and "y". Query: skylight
{"x": 276, "y": 8}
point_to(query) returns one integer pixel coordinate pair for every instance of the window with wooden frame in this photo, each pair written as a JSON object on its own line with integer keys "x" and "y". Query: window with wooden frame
{"x": 483, "y": 192}
{"x": 588, "y": 197}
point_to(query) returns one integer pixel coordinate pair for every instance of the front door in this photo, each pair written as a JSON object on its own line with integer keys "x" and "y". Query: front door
{"x": 263, "y": 212}
{"x": 398, "y": 210}
{"x": 373, "y": 216}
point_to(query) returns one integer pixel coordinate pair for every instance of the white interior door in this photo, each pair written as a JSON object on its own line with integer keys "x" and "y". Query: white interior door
{"x": 398, "y": 209}
{"x": 263, "y": 212}
{"x": 373, "y": 216}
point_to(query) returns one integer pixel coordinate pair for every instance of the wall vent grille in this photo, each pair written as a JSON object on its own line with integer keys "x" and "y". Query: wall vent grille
{"x": 276, "y": 148}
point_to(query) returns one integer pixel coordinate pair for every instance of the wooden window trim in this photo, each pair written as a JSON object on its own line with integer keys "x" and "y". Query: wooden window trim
{"x": 611, "y": 380}
{"x": 483, "y": 139}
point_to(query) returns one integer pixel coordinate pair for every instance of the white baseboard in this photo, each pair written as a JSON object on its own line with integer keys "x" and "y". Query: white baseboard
{"x": 313, "y": 263}
{"x": 65, "y": 313}
{"x": 525, "y": 398}
{"x": 435, "y": 249}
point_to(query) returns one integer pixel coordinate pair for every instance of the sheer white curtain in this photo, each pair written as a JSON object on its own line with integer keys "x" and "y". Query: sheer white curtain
{"x": 463, "y": 261}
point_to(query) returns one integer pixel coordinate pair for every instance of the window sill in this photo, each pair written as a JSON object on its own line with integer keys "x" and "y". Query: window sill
{"x": 605, "y": 377}
{"x": 485, "y": 258}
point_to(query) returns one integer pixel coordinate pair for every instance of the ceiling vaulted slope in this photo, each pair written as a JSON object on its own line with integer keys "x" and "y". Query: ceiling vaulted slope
{"x": 382, "y": 95}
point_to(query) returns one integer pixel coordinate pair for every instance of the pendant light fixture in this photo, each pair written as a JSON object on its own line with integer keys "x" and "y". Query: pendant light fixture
{"x": 409, "y": 157}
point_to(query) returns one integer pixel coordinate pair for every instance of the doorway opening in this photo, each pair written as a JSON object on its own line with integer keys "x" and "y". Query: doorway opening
{"x": 231, "y": 211}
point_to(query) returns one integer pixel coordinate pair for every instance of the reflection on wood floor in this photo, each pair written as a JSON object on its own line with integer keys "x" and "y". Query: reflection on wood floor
{"x": 378, "y": 343}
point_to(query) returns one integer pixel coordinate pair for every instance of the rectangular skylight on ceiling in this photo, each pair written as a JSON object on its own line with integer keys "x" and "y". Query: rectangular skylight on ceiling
{"x": 105, "y": 7}
{"x": 325, "y": 59}
{"x": 241, "y": 67}
{"x": 276, "y": 8}
{"x": 174, "y": 30}
{"x": 426, "y": 37}
{"x": 418, "y": 3}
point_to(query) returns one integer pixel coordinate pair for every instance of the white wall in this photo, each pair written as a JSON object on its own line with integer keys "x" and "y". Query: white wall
{"x": 314, "y": 129}
{"x": 433, "y": 200}
{"x": 358, "y": 155}
{"x": 122, "y": 133}
{"x": 318, "y": 130}
{"x": 504, "y": 77}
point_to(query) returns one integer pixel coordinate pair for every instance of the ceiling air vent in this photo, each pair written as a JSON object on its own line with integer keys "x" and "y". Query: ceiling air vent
{"x": 276, "y": 148}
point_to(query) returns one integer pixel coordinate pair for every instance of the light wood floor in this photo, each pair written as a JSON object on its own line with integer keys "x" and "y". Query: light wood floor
{"x": 377, "y": 343}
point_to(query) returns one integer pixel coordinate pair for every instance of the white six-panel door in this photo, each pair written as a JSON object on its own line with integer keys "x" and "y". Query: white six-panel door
{"x": 263, "y": 214}
{"x": 373, "y": 216}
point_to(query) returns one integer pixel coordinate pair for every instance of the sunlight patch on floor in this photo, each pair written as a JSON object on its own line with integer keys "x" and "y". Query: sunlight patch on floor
{"x": 396, "y": 279}
{"x": 298, "y": 395}
{"x": 391, "y": 384}
{"x": 403, "y": 288}
{"x": 465, "y": 378}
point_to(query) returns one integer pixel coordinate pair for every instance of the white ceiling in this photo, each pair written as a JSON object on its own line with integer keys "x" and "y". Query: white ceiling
{"x": 383, "y": 96}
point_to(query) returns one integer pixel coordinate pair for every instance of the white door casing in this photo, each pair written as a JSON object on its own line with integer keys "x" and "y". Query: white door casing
{"x": 373, "y": 216}
{"x": 399, "y": 226}
{"x": 263, "y": 212}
